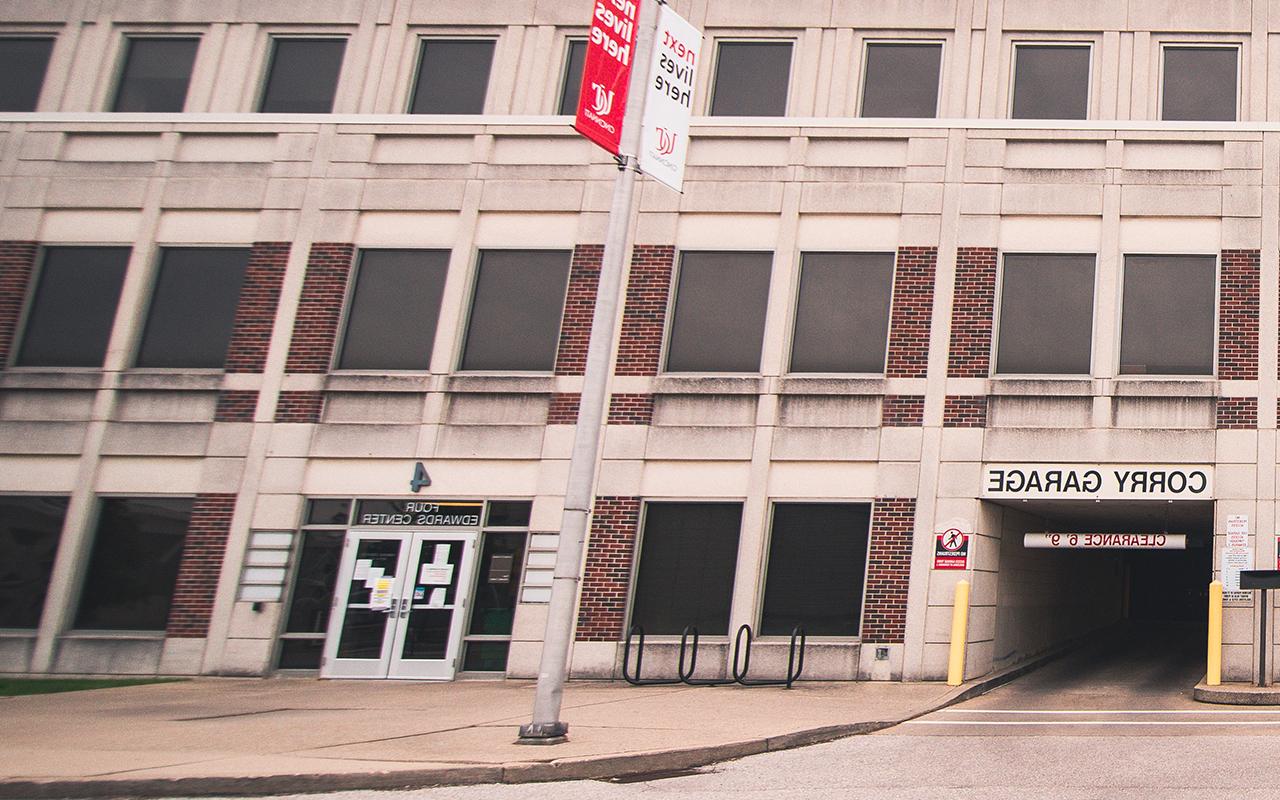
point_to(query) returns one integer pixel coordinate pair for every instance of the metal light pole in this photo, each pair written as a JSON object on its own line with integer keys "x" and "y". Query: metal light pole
{"x": 546, "y": 727}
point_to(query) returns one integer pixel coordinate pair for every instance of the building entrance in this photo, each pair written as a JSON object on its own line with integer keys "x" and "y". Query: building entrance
{"x": 399, "y": 605}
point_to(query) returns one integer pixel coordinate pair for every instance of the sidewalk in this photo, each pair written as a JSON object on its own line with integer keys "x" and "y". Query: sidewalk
{"x": 256, "y": 736}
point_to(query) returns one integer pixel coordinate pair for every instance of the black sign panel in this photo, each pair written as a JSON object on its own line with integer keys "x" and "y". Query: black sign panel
{"x": 418, "y": 513}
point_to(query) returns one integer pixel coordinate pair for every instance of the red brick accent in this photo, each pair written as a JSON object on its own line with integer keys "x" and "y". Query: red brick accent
{"x": 902, "y": 411}
{"x": 17, "y": 261}
{"x": 563, "y": 409}
{"x": 910, "y": 316}
{"x": 201, "y": 565}
{"x": 323, "y": 291}
{"x": 299, "y": 406}
{"x": 645, "y": 313}
{"x": 972, "y": 309}
{"x": 964, "y": 412}
{"x": 1239, "y": 413}
{"x": 256, "y": 313}
{"x": 606, "y": 579}
{"x": 1238, "y": 315}
{"x": 884, "y": 611}
{"x": 579, "y": 308}
{"x": 236, "y": 406}
{"x": 631, "y": 409}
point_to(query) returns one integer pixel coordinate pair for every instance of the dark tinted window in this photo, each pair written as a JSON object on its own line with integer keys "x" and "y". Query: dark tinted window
{"x": 328, "y": 512}
{"x": 303, "y": 76}
{"x": 193, "y": 308}
{"x": 1051, "y": 82}
{"x": 718, "y": 322}
{"x": 1168, "y": 315}
{"x": 508, "y": 513}
{"x": 74, "y": 306}
{"x": 29, "y": 531}
{"x": 751, "y": 79}
{"x": 1046, "y": 314}
{"x": 23, "y": 63}
{"x": 687, "y": 559}
{"x": 313, "y": 584}
{"x": 569, "y": 92}
{"x": 453, "y": 76}
{"x": 817, "y": 558}
{"x": 842, "y": 316}
{"x": 156, "y": 74}
{"x": 1200, "y": 83}
{"x": 392, "y": 322}
{"x": 901, "y": 80}
{"x": 134, "y": 565}
{"x": 516, "y": 310}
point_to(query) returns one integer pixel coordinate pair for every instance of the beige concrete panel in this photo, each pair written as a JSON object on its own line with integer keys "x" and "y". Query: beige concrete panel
{"x": 26, "y": 193}
{"x": 108, "y": 656}
{"x": 207, "y": 227}
{"x": 181, "y": 656}
{"x": 229, "y": 440}
{"x": 245, "y": 657}
{"x": 221, "y": 193}
{"x": 1191, "y": 235}
{"x": 845, "y": 231}
{"x": 45, "y": 405}
{"x": 917, "y": 229}
{"x": 830, "y": 411}
{"x": 381, "y": 407}
{"x": 959, "y": 479}
{"x": 934, "y": 660}
{"x": 1049, "y": 15}
{"x": 412, "y": 196}
{"x": 731, "y": 231}
{"x": 42, "y": 438}
{"x": 620, "y": 478}
{"x": 290, "y": 439}
{"x": 1177, "y": 156}
{"x": 1150, "y": 201}
{"x": 922, "y": 198}
{"x": 851, "y": 198}
{"x": 927, "y": 151}
{"x": 1241, "y": 232}
{"x": 1040, "y": 412}
{"x": 148, "y": 475}
{"x": 249, "y": 624}
{"x": 1233, "y": 16}
{"x": 1239, "y": 447}
{"x": 935, "y": 14}
{"x": 421, "y": 149}
{"x": 598, "y": 661}
{"x": 800, "y": 479}
{"x": 831, "y": 444}
{"x": 1051, "y": 199}
{"x": 824, "y": 152}
{"x": 489, "y": 441}
{"x": 276, "y": 511}
{"x": 962, "y": 444}
{"x": 495, "y": 229}
{"x": 530, "y": 622}
{"x": 731, "y": 196}
{"x": 1242, "y": 155}
{"x": 89, "y": 226}
{"x": 230, "y": 147}
{"x": 111, "y": 147}
{"x": 285, "y": 476}
{"x": 1162, "y": 412}
{"x": 547, "y": 196}
{"x": 1031, "y": 154}
{"x": 955, "y": 512}
{"x": 524, "y": 150}
{"x": 897, "y": 480}
{"x": 1235, "y": 482}
{"x": 1241, "y": 201}
{"x": 523, "y": 659}
{"x": 497, "y": 409}
{"x": 729, "y": 151}
{"x": 406, "y": 229}
{"x": 15, "y": 653}
{"x": 156, "y": 438}
{"x": 21, "y": 224}
{"x": 676, "y": 479}
{"x": 284, "y": 193}
{"x": 762, "y": 13}
{"x": 703, "y": 442}
{"x": 901, "y": 444}
{"x": 557, "y": 442}
{"x": 355, "y": 441}
{"x": 41, "y": 146}
{"x": 980, "y": 198}
{"x": 1119, "y": 446}
{"x": 714, "y": 409}
{"x": 984, "y": 152}
{"x": 96, "y": 192}
{"x": 39, "y": 473}
{"x": 343, "y": 477}
{"x": 1038, "y": 234}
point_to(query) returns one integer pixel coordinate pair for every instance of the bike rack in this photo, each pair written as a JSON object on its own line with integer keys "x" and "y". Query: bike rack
{"x": 686, "y": 676}
{"x": 636, "y": 680}
{"x": 794, "y": 666}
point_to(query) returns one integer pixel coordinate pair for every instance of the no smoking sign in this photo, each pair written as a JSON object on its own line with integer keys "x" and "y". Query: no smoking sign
{"x": 951, "y": 550}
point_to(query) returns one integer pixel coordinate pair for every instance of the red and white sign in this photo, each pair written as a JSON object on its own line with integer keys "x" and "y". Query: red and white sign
{"x": 1106, "y": 541}
{"x": 664, "y": 137}
{"x": 951, "y": 550}
{"x": 606, "y": 72}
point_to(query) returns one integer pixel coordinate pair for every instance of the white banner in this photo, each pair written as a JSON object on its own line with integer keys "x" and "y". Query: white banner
{"x": 664, "y": 132}
{"x": 1105, "y": 541}
{"x": 1098, "y": 481}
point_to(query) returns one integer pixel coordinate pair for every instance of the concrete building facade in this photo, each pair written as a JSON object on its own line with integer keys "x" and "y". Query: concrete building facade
{"x": 294, "y": 303}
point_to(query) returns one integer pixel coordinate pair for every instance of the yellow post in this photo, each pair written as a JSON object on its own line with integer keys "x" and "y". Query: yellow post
{"x": 959, "y": 634}
{"x": 1213, "y": 671}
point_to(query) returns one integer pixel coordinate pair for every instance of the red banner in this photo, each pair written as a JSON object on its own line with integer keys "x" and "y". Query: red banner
{"x": 606, "y": 72}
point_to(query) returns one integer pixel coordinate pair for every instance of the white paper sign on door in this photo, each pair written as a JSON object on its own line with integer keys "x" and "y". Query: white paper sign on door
{"x": 380, "y": 598}
{"x": 436, "y": 574}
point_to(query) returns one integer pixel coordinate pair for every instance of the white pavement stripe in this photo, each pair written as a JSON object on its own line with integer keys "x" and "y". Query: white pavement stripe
{"x": 1097, "y": 722}
{"x": 1110, "y": 711}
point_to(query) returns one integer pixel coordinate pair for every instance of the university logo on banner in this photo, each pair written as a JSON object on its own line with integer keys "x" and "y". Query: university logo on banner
{"x": 606, "y": 72}
{"x": 664, "y": 137}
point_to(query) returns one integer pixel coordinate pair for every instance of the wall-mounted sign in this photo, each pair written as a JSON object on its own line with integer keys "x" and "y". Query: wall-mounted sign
{"x": 951, "y": 550}
{"x": 1097, "y": 482}
{"x": 1105, "y": 541}
{"x": 419, "y": 513}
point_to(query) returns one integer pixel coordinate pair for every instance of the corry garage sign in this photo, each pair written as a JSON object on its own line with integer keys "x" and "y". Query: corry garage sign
{"x": 1097, "y": 482}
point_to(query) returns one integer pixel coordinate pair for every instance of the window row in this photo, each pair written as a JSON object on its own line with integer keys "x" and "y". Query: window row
{"x": 717, "y": 316}
{"x": 900, "y": 78}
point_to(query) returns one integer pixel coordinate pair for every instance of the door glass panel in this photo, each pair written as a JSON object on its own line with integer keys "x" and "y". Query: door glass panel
{"x": 363, "y": 628}
{"x": 497, "y": 584}
{"x": 427, "y": 634}
{"x": 435, "y": 587}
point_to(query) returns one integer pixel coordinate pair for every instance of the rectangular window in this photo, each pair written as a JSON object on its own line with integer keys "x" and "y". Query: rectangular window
{"x": 1200, "y": 83}
{"x": 303, "y": 76}
{"x": 570, "y": 89}
{"x": 193, "y": 308}
{"x": 23, "y": 63}
{"x": 1051, "y": 81}
{"x": 496, "y": 591}
{"x": 688, "y": 555}
{"x": 752, "y": 79}
{"x": 516, "y": 310}
{"x": 30, "y": 528}
{"x": 842, "y": 315}
{"x": 133, "y": 568}
{"x": 817, "y": 562}
{"x": 303, "y": 641}
{"x": 900, "y": 79}
{"x": 70, "y": 316}
{"x": 394, "y": 308}
{"x": 453, "y": 76}
{"x": 1046, "y": 315}
{"x": 156, "y": 74}
{"x": 1167, "y": 325}
{"x": 718, "y": 321}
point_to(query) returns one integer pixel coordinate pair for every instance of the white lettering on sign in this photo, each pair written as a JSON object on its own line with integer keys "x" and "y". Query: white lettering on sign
{"x": 1097, "y": 482}
{"x": 1105, "y": 541}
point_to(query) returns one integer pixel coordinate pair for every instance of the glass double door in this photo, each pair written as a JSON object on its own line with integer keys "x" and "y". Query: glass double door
{"x": 399, "y": 607}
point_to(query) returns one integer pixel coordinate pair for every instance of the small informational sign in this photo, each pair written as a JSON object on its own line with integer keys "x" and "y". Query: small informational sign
{"x": 951, "y": 550}
{"x": 606, "y": 72}
{"x": 380, "y": 597}
{"x": 501, "y": 565}
{"x": 436, "y": 574}
{"x": 1105, "y": 541}
{"x": 1238, "y": 531}
{"x": 1097, "y": 482}
{"x": 1234, "y": 559}
{"x": 418, "y": 513}
{"x": 664, "y": 132}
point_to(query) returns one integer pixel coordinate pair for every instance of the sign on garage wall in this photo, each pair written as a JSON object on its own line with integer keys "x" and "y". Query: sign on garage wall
{"x": 1097, "y": 482}
{"x": 1105, "y": 541}
{"x": 951, "y": 549}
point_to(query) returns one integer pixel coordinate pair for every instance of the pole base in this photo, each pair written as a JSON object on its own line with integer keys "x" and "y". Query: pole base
{"x": 544, "y": 733}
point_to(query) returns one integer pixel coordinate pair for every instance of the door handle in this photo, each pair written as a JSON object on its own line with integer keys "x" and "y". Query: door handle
{"x": 392, "y": 609}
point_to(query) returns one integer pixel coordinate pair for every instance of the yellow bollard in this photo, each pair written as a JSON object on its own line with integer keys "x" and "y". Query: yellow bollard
{"x": 959, "y": 634}
{"x": 1213, "y": 671}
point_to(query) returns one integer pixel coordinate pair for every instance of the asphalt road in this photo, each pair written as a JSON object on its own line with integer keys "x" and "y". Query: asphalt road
{"x": 1111, "y": 721}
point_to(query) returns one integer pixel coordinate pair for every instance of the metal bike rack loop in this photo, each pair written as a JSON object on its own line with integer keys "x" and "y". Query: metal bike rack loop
{"x": 686, "y": 675}
{"x": 795, "y": 659}
{"x": 637, "y": 680}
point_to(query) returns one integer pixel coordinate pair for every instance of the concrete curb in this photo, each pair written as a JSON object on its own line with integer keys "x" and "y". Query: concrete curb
{"x": 1237, "y": 694}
